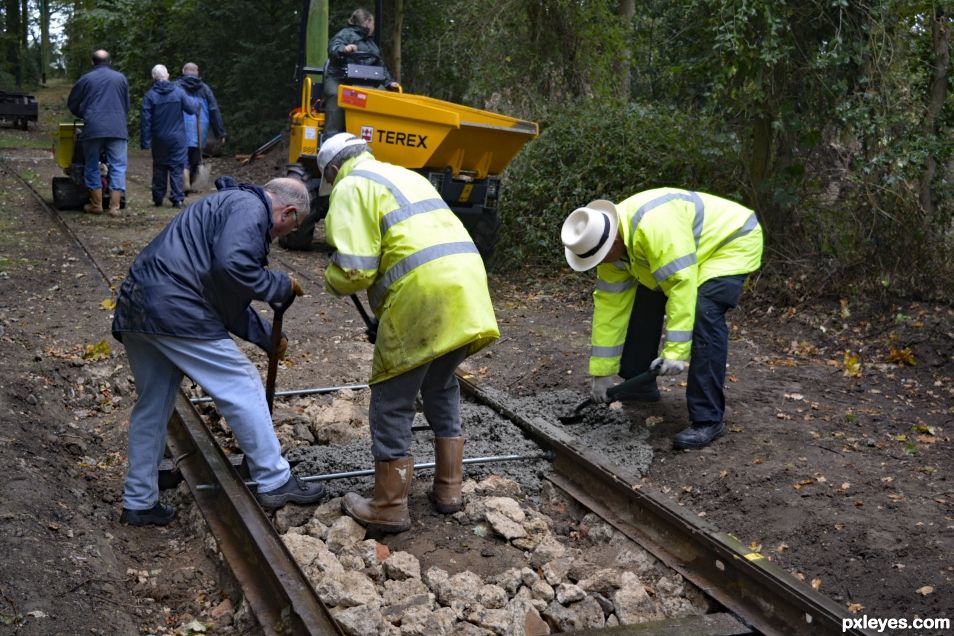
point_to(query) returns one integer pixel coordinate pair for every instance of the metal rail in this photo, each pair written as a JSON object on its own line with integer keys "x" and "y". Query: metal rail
{"x": 761, "y": 593}
{"x": 279, "y": 594}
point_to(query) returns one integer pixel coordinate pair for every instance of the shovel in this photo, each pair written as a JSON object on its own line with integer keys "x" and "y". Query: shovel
{"x": 369, "y": 322}
{"x": 273, "y": 356}
{"x": 613, "y": 392}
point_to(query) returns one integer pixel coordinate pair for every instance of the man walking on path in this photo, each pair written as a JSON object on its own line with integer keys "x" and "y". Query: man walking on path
{"x": 164, "y": 132}
{"x": 668, "y": 252}
{"x": 197, "y": 126}
{"x": 185, "y": 292}
{"x": 426, "y": 283}
{"x": 101, "y": 99}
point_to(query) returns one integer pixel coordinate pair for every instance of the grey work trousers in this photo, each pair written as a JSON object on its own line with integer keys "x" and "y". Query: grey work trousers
{"x": 392, "y": 405}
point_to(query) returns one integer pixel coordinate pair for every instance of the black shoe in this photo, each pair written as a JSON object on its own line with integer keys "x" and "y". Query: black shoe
{"x": 177, "y": 204}
{"x": 158, "y": 515}
{"x": 698, "y": 435}
{"x": 158, "y": 204}
{"x": 292, "y": 491}
{"x": 648, "y": 392}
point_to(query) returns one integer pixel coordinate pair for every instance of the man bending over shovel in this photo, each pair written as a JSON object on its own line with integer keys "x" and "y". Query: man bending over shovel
{"x": 185, "y": 292}
{"x": 668, "y": 252}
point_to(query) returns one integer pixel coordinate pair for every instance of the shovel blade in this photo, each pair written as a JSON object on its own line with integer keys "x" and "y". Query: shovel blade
{"x": 575, "y": 415}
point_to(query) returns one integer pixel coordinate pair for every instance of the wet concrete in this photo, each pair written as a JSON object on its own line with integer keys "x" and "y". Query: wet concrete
{"x": 603, "y": 430}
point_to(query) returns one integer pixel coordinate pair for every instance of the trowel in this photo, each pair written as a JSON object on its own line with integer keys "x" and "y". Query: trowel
{"x": 613, "y": 393}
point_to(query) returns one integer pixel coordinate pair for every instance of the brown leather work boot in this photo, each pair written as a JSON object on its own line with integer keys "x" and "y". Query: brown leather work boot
{"x": 386, "y": 511}
{"x": 115, "y": 202}
{"x": 448, "y": 473}
{"x": 95, "y": 205}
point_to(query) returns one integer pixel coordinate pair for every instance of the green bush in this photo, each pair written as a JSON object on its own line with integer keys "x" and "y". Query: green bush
{"x": 610, "y": 152}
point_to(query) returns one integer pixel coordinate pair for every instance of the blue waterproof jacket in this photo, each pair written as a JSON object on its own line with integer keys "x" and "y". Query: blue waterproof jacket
{"x": 209, "y": 114}
{"x": 162, "y": 127}
{"x": 197, "y": 278}
{"x": 101, "y": 99}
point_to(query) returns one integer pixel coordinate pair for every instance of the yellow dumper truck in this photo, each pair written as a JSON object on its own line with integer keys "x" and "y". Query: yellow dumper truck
{"x": 461, "y": 150}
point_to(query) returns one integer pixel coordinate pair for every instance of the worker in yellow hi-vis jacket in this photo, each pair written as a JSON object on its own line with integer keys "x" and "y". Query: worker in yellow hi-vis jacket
{"x": 665, "y": 252}
{"x": 394, "y": 236}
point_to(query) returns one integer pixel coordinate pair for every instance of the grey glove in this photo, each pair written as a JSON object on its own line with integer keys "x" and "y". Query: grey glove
{"x": 665, "y": 366}
{"x": 601, "y": 385}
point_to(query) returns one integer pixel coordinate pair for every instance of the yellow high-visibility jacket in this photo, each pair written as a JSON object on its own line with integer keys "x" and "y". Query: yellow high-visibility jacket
{"x": 394, "y": 236}
{"x": 675, "y": 240}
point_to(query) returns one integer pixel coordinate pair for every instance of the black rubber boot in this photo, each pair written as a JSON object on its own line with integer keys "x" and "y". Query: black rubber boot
{"x": 158, "y": 515}
{"x": 698, "y": 435}
{"x": 292, "y": 491}
{"x": 647, "y": 392}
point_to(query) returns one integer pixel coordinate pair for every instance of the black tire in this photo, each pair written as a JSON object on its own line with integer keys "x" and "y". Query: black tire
{"x": 67, "y": 195}
{"x": 485, "y": 231}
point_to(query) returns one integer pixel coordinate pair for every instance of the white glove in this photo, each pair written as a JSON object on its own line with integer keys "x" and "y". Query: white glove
{"x": 665, "y": 366}
{"x": 600, "y": 385}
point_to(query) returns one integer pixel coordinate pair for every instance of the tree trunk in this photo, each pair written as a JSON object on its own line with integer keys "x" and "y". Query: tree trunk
{"x": 12, "y": 36}
{"x": 627, "y": 10}
{"x": 941, "y": 36}
{"x": 397, "y": 24}
{"x": 44, "y": 7}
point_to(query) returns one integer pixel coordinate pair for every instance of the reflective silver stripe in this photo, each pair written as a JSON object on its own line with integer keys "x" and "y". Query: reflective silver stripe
{"x": 692, "y": 197}
{"x": 408, "y": 263}
{"x": 606, "y": 352}
{"x": 405, "y": 208}
{"x": 387, "y": 183}
{"x": 669, "y": 269}
{"x": 350, "y": 261}
{"x": 678, "y": 336}
{"x": 602, "y": 285}
{"x": 620, "y": 264}
{"x": 750, "y": 224}
{"x": 405, "y": 212}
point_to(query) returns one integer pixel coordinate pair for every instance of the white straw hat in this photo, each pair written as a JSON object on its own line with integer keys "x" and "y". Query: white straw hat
{"x": 328, "y": 151}
{"x": 588, "y": 234}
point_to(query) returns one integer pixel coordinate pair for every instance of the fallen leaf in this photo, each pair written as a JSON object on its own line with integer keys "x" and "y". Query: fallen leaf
{"x": 851, "y": 365}
{"x": 854, "y": 608}
{"x": 924, "y": 591}
{"x": 846, "y": 485}
{"x": 900, "y": 356}
{"x": 816, "y": 584}
{"x": 782, "y": 547}
{"x": 108, "y": 305}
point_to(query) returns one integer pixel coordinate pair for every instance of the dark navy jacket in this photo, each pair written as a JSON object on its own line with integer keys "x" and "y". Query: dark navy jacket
{"x": 210, "y": 115}
{"x": 197, "y": 278}
{"x": 162, "y": 127}
{"x": 367, "y": 54}
{"x": 101, "y": 99}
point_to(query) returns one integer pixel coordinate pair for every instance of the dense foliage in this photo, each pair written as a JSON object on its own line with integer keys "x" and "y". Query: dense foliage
{"x": 832, "y": 118}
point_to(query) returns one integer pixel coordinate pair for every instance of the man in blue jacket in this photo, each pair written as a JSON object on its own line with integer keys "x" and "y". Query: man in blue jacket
{"x": 197, "y": 126}
{"x": 163, "y": 131}
{"x": 101, "y": 99}
{"x": 185, "y": 292}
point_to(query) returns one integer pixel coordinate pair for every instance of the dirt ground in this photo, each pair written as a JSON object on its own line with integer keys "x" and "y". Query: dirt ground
{"x": 837, "y": 467}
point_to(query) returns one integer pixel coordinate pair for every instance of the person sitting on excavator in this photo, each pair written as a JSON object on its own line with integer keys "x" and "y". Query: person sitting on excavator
{"x": 394, "y": 236}
{"x": 352, "y": 46}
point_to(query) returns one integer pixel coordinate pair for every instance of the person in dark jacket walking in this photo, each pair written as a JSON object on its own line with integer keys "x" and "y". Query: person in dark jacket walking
{"x": 351, "y": 45}
{"x": 101, "y": 99}
{"x": 163, "y": 131}
{"x": 197, "y": 126}
{"x": 185, "y": 292}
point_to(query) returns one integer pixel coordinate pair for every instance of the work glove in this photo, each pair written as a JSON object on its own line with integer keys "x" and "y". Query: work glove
{"x": 601, "y": 385}
{"x": 282, "y": 348}
{"x": 666, "y": 366}
{"x": 296, "y": 287}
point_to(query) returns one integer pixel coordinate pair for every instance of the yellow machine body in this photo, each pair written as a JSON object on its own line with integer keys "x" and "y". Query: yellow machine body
{"x": 65, "y": 144}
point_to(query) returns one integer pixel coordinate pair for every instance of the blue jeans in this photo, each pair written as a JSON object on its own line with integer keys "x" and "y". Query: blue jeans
{"x": 218, "y": 366}
{"x": 392, "y": 405}
{"x": 115, "y": 149}
{"x": 705, "y": 388}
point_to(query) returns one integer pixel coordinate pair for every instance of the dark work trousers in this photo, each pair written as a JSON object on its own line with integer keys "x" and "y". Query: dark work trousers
{"x": 392, "y": 405}
{"x": 195, "y": 160}
{"x": 164, "y": 169}
{"x": 334, "y": 116}
{"x": 705, "y": 394}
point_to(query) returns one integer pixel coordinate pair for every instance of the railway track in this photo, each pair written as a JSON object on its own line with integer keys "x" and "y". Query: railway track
{"x": 759, "y": 597}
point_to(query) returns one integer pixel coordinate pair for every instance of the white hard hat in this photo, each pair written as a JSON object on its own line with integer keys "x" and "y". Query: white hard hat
{"x": 588, "y": 234}
{"x": 329, "y": 150}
